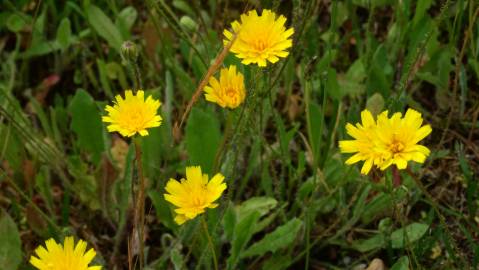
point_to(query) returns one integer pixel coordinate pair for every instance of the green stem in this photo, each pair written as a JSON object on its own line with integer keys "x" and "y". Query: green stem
{"x": 226, "y": 137}
{"x": 136, "y": 71}
{"x": 210, "y": 242}
{"x": 140, "y": 203}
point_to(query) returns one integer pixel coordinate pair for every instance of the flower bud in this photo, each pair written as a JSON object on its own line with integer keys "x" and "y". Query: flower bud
{"x": 129, "y": 51}
{"x": 188, "y": 23}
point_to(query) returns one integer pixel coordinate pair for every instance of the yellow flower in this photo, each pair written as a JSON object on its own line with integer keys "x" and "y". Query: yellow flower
{"x": 363, "y": 143}
{"x": 397, "y": 138}
{"x": 229, "y": 91}
{"x": 194, "y": 194}
{"x": 260, "y": 38}
{"x": 386, "y": 141}
{"x": 68, "y": 256}
{"x": 133, "y": 114}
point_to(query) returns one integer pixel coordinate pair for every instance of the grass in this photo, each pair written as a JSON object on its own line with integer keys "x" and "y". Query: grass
{"x": 291, "y": 201}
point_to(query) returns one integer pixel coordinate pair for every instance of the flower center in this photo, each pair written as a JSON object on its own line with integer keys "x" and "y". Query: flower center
{"x": 136, "y": 117}
{"x": 396, "y": 147}
{"x": 260, "y": 44}
{"x": 231, "y": 94}
{"x": 199, "y": 199}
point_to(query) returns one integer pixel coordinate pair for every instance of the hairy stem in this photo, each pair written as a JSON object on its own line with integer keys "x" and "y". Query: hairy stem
{"x": 210, "y": 242}
{"x": 140, "y": 202}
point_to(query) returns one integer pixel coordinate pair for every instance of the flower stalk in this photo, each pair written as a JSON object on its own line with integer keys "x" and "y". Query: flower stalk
{"x": 210, "y": 242}
{"x": 396, "y": 177}
{"x": 139, "y": 218}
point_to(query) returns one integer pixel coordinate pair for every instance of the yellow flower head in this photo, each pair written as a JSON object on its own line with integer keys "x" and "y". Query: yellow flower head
{"x": 68, "y": 256}
{"x": 397, "y": 138}
{"x": 229, "y": 91}
{"x": 386, "y": 141}
{"x": 363, "y": 143}
{"x": 194, "y": 194}
{"x": 260, "y": 38}
{"x": 133, "y": 114}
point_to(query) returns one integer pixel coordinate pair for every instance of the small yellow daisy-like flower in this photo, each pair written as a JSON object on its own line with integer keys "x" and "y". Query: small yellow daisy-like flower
{"x": 229, "y": 91}
{"x": 397, "y": 138}
{"x": 68, "y": 256}
{"x": 133, "y": 114}
{"x": 387, "y": 141}
{"x": 260, "y": 38}
{"x": 363, "y": 143}
{"x": 193, "y": 195}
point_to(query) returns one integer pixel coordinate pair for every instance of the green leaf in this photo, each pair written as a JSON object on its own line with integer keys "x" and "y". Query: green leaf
{"x": 184, "y": 6}
{"x": 85, "y": 184}
{"x": 306, "y": 188}
{"x": 242, "y": 234}
{"x": 87, "y": 125}
{"x": 380, "y": 73}
{"x": 262, "y": 205}
{"x": 64, "y": 33}
{"x": 14, "y": 151}
{"x": 280, "y": 238}
{"x": 125, "y": 20}
{"x": 115, "y": 71}
{"x": 177, "y": 259}
{"x": 41, "y": 48}
{"x": 413, "y": 233}
{"x": 104, "y": 26}
{"x": 10, "y": 245}
{"x": 202, "y": 137}
{"x": 103, "y": 73}
{"x": 229, "y": 221}
{"x": 315, "y": 115}
{"x": 401, "y": 264}
{"x": 376, "y": 207}
{"x": 369, "y": 244}
{"x": 16, "y": 22}
{"x": 277, "y": 262}
{"x": 122, "y": 188}
{"x": 332, "y": 86}
{"x": 352, "y": 83}
{"x": 162, "y": 209}
{"x": 375, "y": 104}
{"x": 421, "y": 7}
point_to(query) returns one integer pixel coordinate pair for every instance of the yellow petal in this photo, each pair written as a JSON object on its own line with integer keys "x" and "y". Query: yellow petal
{"x": 367, "y": 166}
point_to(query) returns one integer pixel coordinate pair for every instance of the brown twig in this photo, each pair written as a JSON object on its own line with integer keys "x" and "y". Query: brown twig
{"x": 211, "y": 70}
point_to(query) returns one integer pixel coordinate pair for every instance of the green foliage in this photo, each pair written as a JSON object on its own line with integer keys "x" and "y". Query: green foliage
{"x": 87, "y": 125}
{"x": 104, "y": 27}
{"x": 10, "y": 245}
{"x": 243, "y": 232}
{"x": 283, "y": 236}
{"x": 291, "y": 201}
{"x": 408, "y": 234}
{"x": 401, "y": 264}
{"x": 202, "y": 138}
{"x": 64, "y": 34}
